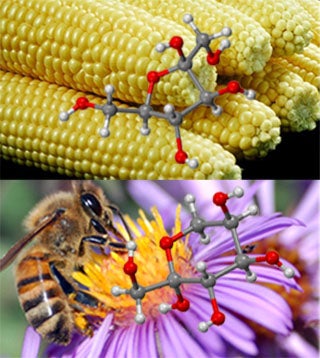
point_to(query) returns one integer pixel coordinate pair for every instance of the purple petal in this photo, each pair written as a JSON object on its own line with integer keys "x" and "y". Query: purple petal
{"x": 309, "y": 203}
{"x": 165, "y": 195}
{"x": 262, "y": 227}
{"x": 148, "y": 194}
{"x": 308, "y": 212}
{"x": 311, "y": 312}
{"x": 233, "y": 331}
{"x": 301, "y": 348}
{"x": 175, "y": 341}
{"x": 133, "y": 341}
{"x": 132, "y": 344}
{"x": 147, "y": 340}
{"x": 259, "y": 228}
{"x": 31, "y": 343}
{"x": 204, "y": 191}
{"x": 255, "y": 302}
{"x": 200, "y": 311}
{"x": 265, "y": 273}
{"x": 294, "y": 237}
{"x": 117, "y": 346}
{"x": 101, "y": 336}
{"x": 266, "y": 196}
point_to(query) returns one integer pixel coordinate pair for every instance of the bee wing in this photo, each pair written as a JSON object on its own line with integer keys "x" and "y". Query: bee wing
{"x": 15, "y": 249}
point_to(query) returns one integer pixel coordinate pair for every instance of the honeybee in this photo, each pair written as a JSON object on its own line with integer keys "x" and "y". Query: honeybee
{"x": 64, "y": 229}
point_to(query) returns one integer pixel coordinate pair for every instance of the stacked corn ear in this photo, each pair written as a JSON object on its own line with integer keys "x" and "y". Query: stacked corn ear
{"x": 250, "y": 43}
{"x": 288, "y": 25}
{"x": 286, "y": 21}
{"x": 289, "y": 81}
{"x": 312, "y": 7}
{"x": 294, "y": 101}
{"x": 74, "y": 47}
{"x": 87, "y": 44}
{"x": 31, "y": 134}
{"x": 248, "y": 129}
{"x": 305, "y": 64}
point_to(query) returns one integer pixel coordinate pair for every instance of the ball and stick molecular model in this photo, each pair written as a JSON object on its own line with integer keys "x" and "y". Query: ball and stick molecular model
{"x": 175, "y": 118}
{"x": 207, "y": 280}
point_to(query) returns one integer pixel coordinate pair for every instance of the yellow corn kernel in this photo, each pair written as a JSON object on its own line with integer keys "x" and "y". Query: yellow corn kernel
{"x": 31, "y": 133}
{"x": 306, "y": 64}
{"x": 246, "y": 128}
{"x": 250, "y": 44}
{"x": 286, "y": 21}
{"x": 312, "y": 7}
{"x": 87, "y": 44}
{"x": 294, "y": 101}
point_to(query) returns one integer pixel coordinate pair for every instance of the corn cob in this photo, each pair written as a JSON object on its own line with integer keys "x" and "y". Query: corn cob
{"x": 312, "y": 7}
{"x": 286, "y": 21}
{"x": 31, "y": 133}
{"x": 306, "y": 65}
{"x": 248, "y": 129}
{"x": 294, "y": 101}
{"x": 87, "y": 44}
{"x": 250, "y": 44}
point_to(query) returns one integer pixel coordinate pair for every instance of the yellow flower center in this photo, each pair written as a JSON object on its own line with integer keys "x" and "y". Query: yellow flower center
{"x": 105, "y": 272}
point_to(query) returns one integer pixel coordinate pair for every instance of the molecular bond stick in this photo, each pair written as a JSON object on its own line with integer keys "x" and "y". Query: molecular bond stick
{"x": 175, "y": 118}
{"x": 207, "y": 280}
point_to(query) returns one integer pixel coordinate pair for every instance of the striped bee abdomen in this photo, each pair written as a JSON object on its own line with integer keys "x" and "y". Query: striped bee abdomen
{"x": 42, "y": 299}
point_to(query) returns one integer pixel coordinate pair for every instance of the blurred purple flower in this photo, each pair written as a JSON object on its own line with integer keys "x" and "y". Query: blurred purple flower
{"x": 304, "y": 242}
{"x": 176, "y": 334}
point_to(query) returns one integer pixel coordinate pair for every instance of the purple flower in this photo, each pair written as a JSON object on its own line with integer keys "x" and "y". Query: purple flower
{"x": 302, "y": 243}
{"x": 176, "y": 333}
{"x": 31, "y": 343}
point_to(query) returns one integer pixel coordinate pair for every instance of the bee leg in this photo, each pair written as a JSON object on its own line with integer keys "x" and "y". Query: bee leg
{"x": 79, "y": 300}
{"x": 86, "y": 299}
{"x": 85, "y": 302}
{"x": 117, "y": 246}
{"x": 101, "y": 230}
{"x": 66, "y": 286}
{"x": 125, "y": 224}
{"x": 79, "y": 296}
{"x": 101, "y": 242}
{"x": 86, "y": 306}
{"x": 82, "y": 324}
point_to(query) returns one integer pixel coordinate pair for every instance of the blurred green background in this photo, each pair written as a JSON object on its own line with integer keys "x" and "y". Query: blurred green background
{"x": 18, "y": 197}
